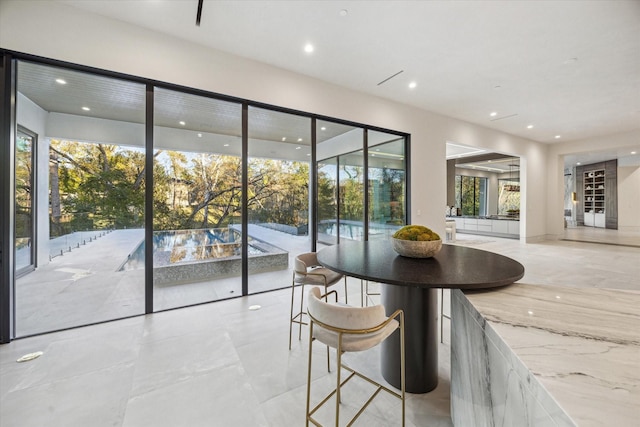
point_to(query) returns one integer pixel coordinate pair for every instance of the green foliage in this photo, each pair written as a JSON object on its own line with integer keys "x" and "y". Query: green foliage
{"x": 416, "y": 233}
{"x": 102, "y": 186}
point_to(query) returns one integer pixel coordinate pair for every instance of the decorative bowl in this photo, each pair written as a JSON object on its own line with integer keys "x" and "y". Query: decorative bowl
{"x": 416, "y": 248}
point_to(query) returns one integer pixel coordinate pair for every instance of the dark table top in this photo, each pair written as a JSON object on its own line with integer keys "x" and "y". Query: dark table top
{"x": 453, "y": 267}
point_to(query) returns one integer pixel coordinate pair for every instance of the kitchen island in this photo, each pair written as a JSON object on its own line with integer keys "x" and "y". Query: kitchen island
{"x": 537, "y": 355}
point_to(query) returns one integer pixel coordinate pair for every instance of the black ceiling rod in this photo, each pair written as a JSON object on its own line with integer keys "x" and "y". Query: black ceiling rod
{"x": 199, "y": 15}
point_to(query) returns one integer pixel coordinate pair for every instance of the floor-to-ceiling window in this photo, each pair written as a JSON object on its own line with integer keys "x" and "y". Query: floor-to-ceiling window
{"x": 387, "y": 184}
{"x": 197, "y": 202}
{"x": 341, "y": 175}
{"x": 471, "y": 195}
{"x": 359, "y": 198}
{"x": 278, "y": 177}
{"x": 230, "y": 205}
{"x": 93, "y": 173}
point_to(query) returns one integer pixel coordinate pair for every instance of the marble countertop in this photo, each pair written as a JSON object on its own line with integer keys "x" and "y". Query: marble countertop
{"x": 582, "y": 346}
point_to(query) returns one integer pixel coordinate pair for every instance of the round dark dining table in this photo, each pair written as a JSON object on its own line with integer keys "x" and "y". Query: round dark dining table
{"x": 411, "y": 284}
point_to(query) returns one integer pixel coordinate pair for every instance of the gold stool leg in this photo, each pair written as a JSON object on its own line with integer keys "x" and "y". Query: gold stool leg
{"x": 293, "y": 292}
{"x": 309, "y": 373}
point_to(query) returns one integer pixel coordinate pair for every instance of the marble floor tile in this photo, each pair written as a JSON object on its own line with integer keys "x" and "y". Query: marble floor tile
{"x": 221, "y": 364}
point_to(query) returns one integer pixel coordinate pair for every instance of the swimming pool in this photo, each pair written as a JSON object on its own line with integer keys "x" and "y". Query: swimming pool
{"x": 182, "y": 256}
{"x": 177, "y": 246}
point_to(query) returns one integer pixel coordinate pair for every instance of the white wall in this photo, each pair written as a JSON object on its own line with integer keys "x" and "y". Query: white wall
{"x": 92, "y": 40}
{"x": 629, "y": 198}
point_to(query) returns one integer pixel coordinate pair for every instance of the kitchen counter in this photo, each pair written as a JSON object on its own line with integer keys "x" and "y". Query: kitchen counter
{"x": 493, "y": 217}
{"x": 537, "y": 355}
{"x": 499, "y": 226}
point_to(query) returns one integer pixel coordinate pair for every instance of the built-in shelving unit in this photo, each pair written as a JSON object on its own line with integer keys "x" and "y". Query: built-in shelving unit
{"x": 594, "y": 198}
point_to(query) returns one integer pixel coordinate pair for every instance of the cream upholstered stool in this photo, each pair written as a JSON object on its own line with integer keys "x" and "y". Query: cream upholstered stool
{"x": 349, "y": 329}
{"x": 307, "y": 271}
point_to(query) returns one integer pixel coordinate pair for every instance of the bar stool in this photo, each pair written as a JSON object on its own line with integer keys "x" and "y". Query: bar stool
{"x": 307, "y": 271}
{"x": 350, "y": 329}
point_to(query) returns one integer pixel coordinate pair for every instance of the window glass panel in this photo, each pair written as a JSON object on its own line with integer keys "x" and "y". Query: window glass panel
{"x": 278, "y": 199}
{"x": 340, "y": 163}
{"x": 509, "y": 197}
{"x": 351, "y": 195}
{"x": 24, "y": 188}
{"x": 88, "y": 194}
{"x": 471, "y": 195}
{"x": 387, "y": 184}
{"x": 328, "y": 201}
{"x": 197, "y": 200}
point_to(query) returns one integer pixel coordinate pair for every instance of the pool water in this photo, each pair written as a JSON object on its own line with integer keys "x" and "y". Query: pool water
{"x": 185, "y": 246}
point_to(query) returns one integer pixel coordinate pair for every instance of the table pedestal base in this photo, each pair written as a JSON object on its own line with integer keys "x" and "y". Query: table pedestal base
{"x": 420, "y": 307}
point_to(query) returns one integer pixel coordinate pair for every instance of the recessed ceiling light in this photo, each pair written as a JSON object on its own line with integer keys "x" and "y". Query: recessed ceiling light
{"x": 530, "y": 127}
{"x": 299, "y": 139}
{"x": 308, "y": 48}
{"x": 182, "y": 123}
{"x": 226, "y": 145}
{"x": 557, "y": 137}
{"x": 297, "y": 148}
{"x": 578, "y": 163}
{"x": 323, "y": 128}
{"x": 61, "y": 81}
{"x": 571, "y": 61}
{"x": 284, "y": 138}
{"x": 308, "y": 154}
{"x": 633, "y": 152}
{"x": 86, "y": 108}
{"x": 493, "y": 114}
{"x": 344, "y": 12}
{"x": 199, "y": 135}
{"x": 413, "y": 85}
{"x": 497, "y": 87}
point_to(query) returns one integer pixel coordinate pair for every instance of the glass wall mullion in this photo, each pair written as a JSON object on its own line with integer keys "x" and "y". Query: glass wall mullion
{"x": 148, "y": 201}
{"x": 245, "y": 199}
{"x": 365, "y": 166}
{"x": 313, "y": 187}
{"x": 338, "y": 204}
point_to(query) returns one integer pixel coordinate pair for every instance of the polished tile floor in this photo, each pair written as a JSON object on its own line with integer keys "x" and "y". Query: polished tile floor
{"x": 221, "y": 364}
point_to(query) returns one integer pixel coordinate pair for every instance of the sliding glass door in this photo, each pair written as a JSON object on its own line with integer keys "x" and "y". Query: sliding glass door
{"x": 87, "y": 198}
{"x": 129, "y": 196}
{"x": 197, "y": 199}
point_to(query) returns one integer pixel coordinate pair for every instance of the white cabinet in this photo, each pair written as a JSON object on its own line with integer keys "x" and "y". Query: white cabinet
{"x": 500, "y": 227}
{"x": 589, "y": 219}
{"x": 599, "y": 220}
{"x": 471, "y": 224}
{"x": 485, "y": 225}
